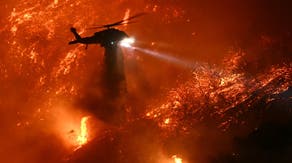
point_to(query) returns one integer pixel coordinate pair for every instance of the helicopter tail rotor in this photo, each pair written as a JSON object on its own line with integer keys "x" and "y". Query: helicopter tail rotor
{"x": 73, "y": 30}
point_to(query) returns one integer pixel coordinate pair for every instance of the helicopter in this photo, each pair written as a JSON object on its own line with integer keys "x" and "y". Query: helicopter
{"x": 110, "y": 37}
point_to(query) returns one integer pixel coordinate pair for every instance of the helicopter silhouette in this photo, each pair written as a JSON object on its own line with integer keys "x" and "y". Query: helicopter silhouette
{"x": 109, "y": 37}
{"x": 113, "y": 82}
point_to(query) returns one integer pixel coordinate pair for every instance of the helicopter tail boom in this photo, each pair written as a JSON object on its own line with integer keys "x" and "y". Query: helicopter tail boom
{"x": 79, "y": 39}
{"x": 74, "y": 42}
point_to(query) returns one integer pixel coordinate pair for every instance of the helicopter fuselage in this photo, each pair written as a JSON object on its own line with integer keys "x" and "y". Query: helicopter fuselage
{"x": 106, "y": 38}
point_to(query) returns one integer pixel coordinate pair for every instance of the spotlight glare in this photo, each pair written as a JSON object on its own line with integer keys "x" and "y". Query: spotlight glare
{"x": 127, "y": 42}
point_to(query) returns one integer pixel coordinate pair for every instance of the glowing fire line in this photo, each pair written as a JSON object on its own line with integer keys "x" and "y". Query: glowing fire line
{"x": 82, "y": 138}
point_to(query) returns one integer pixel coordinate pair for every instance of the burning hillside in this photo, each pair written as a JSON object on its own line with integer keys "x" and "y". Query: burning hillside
{"x": 210, "y": 109}
{"x": 179, "y": 105}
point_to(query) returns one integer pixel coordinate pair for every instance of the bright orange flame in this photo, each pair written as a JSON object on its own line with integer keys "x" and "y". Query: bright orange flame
{"x": 82, "y": 138}
{"x": 166, "y": 121}
{"x": 176, "y": 159}
{"x": 127, "y": 15}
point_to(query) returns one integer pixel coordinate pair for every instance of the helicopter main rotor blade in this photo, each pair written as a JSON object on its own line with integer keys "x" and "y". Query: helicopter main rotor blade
{"x": 94, "y": 27}
{"x": 134, "y": 16}
{"x": 123, "y": 23}
{"x": 119, "y": 22}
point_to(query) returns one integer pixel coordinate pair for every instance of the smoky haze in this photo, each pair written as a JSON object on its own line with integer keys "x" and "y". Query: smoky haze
{"x": 39, "y": 71}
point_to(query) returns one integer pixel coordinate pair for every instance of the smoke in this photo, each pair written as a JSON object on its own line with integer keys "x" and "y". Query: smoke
{"x": 44, "y": 82}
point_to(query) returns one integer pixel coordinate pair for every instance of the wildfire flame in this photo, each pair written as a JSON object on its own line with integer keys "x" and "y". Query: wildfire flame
{"x": 222, "y": 95}
{"x": 177, "y": 159}
{"x": 82, "y": 138}
{"x": 127, "y": 15}
{"x": 38, "y": 70}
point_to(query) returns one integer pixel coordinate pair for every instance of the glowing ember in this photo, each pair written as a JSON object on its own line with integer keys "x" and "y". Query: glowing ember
{"x": 166, "y": 121}
{"x": 82, "y": 138}
{"x": 176, "y": 159}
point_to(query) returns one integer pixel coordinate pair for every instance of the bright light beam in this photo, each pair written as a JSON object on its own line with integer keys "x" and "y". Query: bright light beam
{"x": 165, "y": 57}
{"x": 127, "y": 42}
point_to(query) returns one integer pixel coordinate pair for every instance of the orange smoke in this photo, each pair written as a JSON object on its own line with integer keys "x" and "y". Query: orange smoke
{"x": 38, "y": 69}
